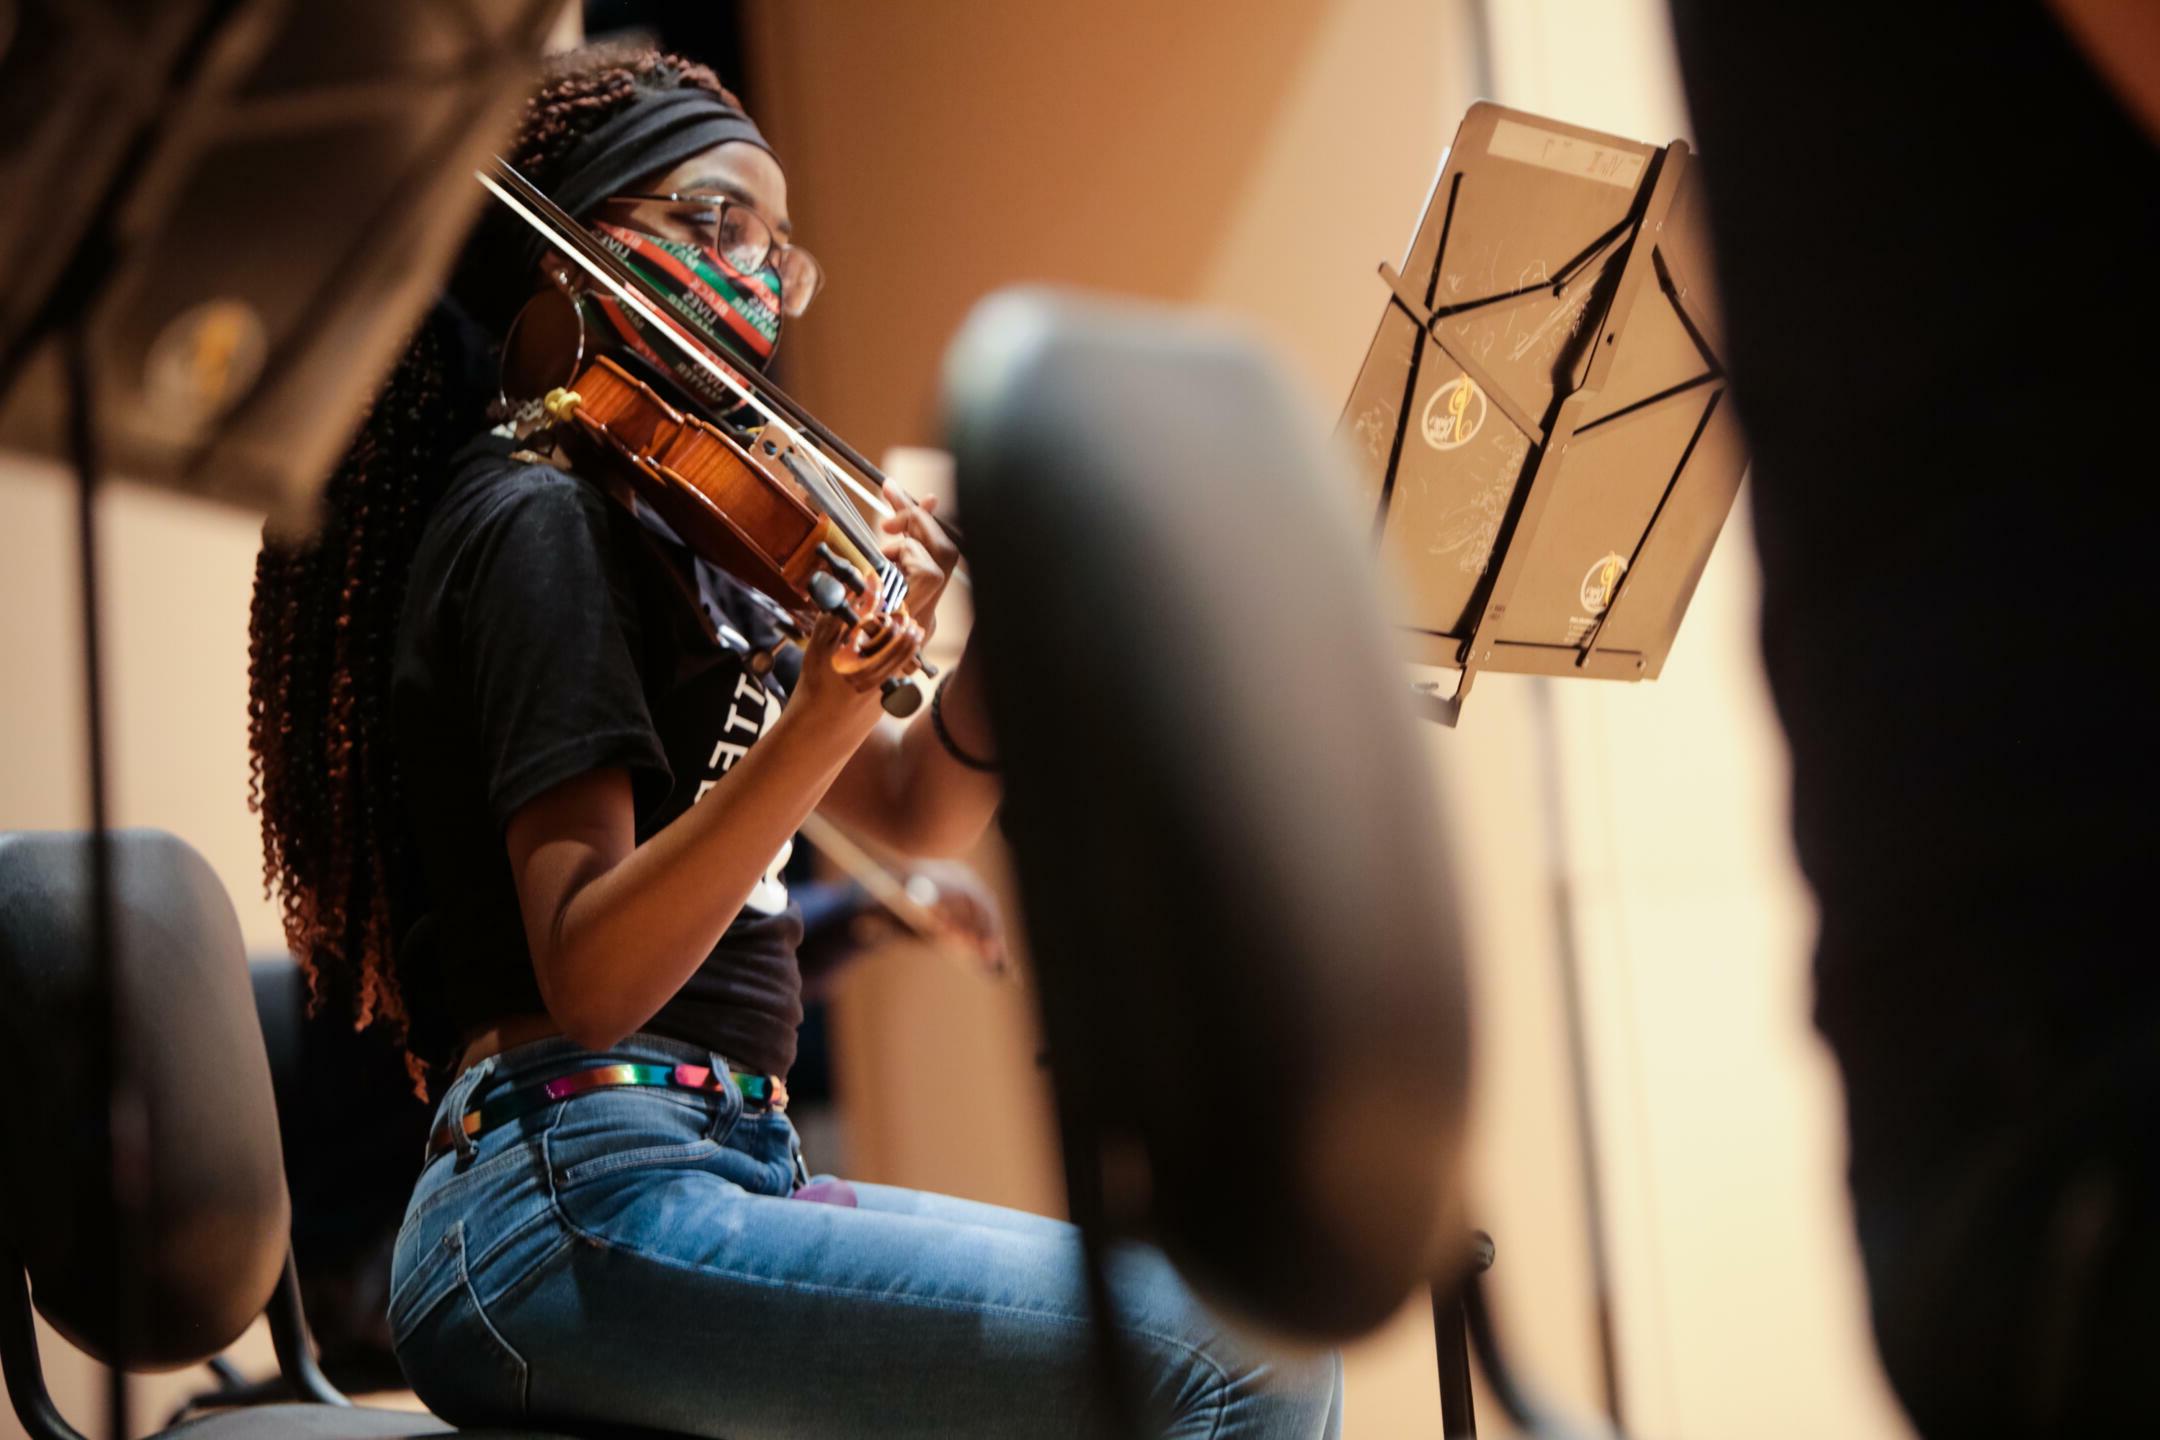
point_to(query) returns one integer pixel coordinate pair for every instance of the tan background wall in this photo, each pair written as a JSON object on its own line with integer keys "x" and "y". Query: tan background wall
{"x": 1257, "y": 158}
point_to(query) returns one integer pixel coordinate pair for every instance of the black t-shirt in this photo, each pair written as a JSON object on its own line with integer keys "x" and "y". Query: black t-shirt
{"x": 548, "y": 631}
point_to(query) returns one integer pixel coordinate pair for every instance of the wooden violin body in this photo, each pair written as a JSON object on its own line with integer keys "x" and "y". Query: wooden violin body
{"x": 735, "y": 504}
{"x": 764, "y": 507}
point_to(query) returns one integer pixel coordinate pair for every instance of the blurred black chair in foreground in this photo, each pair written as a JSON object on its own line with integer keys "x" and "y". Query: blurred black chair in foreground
{"x": 1225, "y": 831}
{"x": 1976, "y": 848}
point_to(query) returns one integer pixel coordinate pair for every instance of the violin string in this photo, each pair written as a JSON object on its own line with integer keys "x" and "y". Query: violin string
{"x": 597, "y": 263}
{"x": 826, "y": 500}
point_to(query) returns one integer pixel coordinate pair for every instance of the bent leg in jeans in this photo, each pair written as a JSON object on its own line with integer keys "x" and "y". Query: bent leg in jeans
{"x": 633, "y": 1257}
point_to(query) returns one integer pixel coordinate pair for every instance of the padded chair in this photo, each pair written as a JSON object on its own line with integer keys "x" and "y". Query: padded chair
{"x": 212, "y": 1247}
{"x": 1237, "y": 890}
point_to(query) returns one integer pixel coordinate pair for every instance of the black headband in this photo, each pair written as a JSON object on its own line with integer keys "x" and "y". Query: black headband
{"x": 658, "y": 132}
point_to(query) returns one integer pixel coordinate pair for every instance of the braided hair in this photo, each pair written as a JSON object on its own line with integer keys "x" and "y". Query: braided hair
{"x": 324, "y": 622}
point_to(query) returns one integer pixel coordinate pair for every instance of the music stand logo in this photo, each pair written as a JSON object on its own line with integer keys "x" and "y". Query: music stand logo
{"x": 1454, "y": 414}
{"x": 1600, "y": 581}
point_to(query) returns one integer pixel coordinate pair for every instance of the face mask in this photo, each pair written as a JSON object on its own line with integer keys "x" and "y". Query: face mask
{"x": 732, "y": 316}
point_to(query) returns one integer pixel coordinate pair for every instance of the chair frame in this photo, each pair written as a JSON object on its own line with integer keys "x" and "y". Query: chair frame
{"x": 24, "y": 1371}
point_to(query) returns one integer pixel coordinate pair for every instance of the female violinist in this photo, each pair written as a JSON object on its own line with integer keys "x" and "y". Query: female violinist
{"x": 528, "y": 770}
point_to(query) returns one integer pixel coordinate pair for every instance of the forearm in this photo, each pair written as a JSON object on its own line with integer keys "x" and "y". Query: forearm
{"x": 631, "y": 933}
{"x": 951, "y": 803}
{"x": 904, "y": 789}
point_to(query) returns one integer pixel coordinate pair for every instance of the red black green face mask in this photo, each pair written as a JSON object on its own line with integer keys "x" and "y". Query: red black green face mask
{"x": 733, "y": 317}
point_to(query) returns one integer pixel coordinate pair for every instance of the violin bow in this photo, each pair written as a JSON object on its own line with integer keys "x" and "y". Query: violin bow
{"x": 889, "y": 892}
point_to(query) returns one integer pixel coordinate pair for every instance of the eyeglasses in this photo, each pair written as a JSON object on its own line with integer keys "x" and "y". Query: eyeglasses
{"x": 742, "y": 238}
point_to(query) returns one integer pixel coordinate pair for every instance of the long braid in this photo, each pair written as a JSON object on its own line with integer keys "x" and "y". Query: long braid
{"x": 323, "y": 624}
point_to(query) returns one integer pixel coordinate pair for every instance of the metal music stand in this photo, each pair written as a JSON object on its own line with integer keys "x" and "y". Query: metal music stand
{"x": 1542, "y": 420}
{"x": 1544, "y": 428}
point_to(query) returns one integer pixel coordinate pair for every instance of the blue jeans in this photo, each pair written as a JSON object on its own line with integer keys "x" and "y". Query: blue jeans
{"x": 632, "y": 1257}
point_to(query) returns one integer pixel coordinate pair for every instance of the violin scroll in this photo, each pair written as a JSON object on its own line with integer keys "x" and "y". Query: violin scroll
{"x": 873, "y": 643}
{"x": 870, "y": 644}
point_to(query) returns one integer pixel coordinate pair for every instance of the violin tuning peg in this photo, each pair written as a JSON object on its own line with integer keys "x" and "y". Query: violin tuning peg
{"x": 828, "y": 594}
{"x": 849, "y": 575}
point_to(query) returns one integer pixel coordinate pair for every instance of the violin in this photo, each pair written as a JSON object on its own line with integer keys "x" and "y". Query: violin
{"x": 769, "y": 509}
{"x": 766, "y": 507}
{"x": 735, "y": 507}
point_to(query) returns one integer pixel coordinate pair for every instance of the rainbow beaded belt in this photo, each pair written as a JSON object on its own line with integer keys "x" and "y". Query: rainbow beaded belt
{"x": 760, "y": 1093}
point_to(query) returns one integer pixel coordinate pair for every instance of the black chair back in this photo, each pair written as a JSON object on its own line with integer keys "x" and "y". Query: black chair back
{"x": 209, "y": 1191}
{"x": 1225, "y": 830}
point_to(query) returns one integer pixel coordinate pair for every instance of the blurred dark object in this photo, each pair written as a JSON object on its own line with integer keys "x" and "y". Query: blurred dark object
{"x": 247, "y": 205}
{"x": 830, "y": 910}
{"x": 1541, "y": 421}
{"x": 1935, "y": 234}
{"x": 709, "y": 32}
{"x": 1238, "y": 905}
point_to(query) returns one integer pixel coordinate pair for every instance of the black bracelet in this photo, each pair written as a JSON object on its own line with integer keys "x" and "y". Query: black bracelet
{"x": 937, "y": 726}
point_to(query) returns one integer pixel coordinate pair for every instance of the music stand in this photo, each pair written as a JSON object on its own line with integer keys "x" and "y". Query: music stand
{"x": 1542, "y": 420}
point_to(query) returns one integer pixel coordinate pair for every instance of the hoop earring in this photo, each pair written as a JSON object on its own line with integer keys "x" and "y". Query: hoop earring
{"x": 544, "y": 349}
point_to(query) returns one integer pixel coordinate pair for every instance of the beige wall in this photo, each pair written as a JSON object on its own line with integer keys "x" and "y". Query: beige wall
{"x": 1258, "y": 158}
{"x": 178, "y": 573}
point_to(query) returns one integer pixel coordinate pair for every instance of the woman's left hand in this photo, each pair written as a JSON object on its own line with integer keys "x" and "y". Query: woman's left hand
{"x": 915, "y": 542}
{"x": 963, "y": 907}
